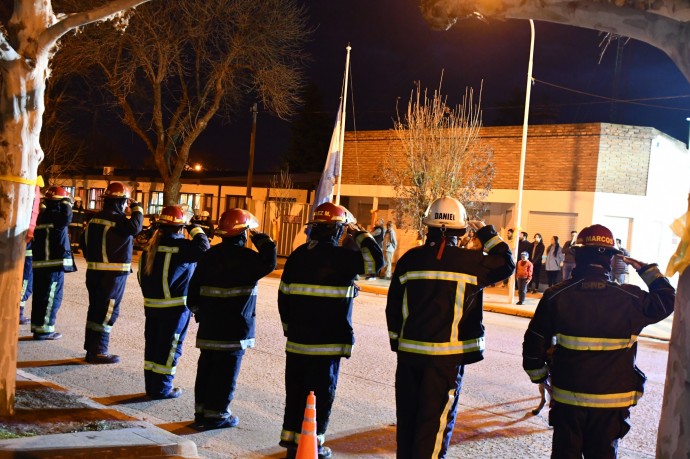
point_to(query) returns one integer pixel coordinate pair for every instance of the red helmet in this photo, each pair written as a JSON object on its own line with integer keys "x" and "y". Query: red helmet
{"x": 57, "y": 193}
{"x": 596, "y": 236}
{"x": 171, "y": 216}
{"x": 328, "y": 213}
{"x": 117, "y": 190}
{"x": 234, "y": 222}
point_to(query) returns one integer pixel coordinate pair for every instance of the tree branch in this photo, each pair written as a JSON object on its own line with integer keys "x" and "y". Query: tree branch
{"x": 7, "y": 52}
{"x": 53, "y": 33}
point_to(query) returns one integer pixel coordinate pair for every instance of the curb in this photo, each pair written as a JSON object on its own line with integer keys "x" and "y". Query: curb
{"x": 143, "y": 440}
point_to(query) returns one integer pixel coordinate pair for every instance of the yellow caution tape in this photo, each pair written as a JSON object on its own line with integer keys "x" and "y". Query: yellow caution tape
{"x": 681, "y": 259}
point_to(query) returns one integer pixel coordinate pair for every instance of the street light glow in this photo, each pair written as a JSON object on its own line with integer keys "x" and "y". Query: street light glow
{"x": 197, "y": 167}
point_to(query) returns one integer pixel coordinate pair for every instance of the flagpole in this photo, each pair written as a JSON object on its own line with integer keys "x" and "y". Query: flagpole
{"x": 342, "y": 124}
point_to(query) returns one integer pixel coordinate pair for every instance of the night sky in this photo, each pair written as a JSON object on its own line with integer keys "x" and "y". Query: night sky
{"x": 392, "y": 48}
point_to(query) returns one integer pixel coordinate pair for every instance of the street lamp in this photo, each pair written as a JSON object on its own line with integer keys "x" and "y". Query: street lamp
{"x": 523, "y": 152}
{"x": 198, "y": 167}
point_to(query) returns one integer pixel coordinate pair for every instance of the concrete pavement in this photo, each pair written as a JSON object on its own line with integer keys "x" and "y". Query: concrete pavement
{"x": 143, "y": 439}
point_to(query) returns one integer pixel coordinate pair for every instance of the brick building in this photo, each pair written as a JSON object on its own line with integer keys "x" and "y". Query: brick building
{"x": 632, "y": 179}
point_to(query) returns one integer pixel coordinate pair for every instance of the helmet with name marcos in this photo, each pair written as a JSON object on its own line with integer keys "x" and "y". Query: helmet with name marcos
{"x": 598, "y": 237}
{"x": 171, "y": 216}
{"x": 57, "y": 193}
{"x": 234, "y": 222}
{"x": 446, "y": 212}
{"x": 117, "y": 190}
{"x": 331, "y": 214}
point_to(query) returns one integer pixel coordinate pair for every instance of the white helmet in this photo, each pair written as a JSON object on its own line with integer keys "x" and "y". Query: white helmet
{"x": 205, "y": 213}
{"x": 446, "y": 212}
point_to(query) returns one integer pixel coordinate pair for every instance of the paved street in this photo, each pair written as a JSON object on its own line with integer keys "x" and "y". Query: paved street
{"x": 493, "y": 418}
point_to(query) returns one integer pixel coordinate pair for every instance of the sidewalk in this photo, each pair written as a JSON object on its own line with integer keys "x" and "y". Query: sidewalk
{"x": 42, "y": 405}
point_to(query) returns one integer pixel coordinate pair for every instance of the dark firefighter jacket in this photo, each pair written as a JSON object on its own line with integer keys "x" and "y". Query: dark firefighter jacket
{"x": 317, "y": 290}
{"x": 434, "y": 310}
{"x": 596, "y": 323}
{"x": 51, "y": 246}
{"x": 166, "y": 286}
{"x": 222, "y": 293}
{"x": 107, "y": 240}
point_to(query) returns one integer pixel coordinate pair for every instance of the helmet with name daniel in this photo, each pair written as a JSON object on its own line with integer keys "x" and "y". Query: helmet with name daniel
{"x": 57, "y": 193}
{"x": 235, "y": 221}
{"x": 446, "y": 212}
{"x": 117, "y": 190}
{"x": 331, "y": 214}
{"x": 597, "y": 237}
{"x": 171, "y": 216}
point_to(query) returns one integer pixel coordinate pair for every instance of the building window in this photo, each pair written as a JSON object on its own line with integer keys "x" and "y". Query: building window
{"x": 208, "y": 203}
{"x": 191, "y": 199}
{"x": 155, "y": 203}
{"x": 95, "y": 199}
{"x": 232, "y": 201}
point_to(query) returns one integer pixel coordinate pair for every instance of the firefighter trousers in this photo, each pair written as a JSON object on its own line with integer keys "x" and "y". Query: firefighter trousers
{"x": 106, "y": 289}
{"x": 164, "y": 333}
{"x": 48, "y": 288}
{"x": 216, "y": 379}
{"x": 27, "y": 283}
{"x": 305, "y": 373}
{"x": 589, "y": 432}
{"x": 426, "y": 399}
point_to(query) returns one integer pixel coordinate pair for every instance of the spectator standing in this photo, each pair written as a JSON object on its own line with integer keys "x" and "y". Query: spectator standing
{"x": 378, "y": 233}
{"x": 509, "y": 241}
{"x": 620, "y": 267}
{"x": 52, "y": 258}
{"x": 222, "y": 294}
{"x": 569, "y": 256}
{"x": 554, "y": 260}
{"x": 315, "y": 300}
{"x": 76, "y": 226}
{"x": 523, "y": 274}
{"x": 593, "y": 370}
{"x": 107, "y": 244}
{"x": 165, "y": 269}
{"x": 434, "y": 317}
{"x": 390, "y": 242}
{"x": 537, "y": 258}
{"x": 524, "y": 245}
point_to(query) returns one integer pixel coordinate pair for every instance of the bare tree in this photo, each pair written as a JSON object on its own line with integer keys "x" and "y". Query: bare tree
{"x": 660, "y": 23}
{"x": 29, "y": 33}
{"x": 443, "y": 155}
{"x": 281, "y": 199}
{"x": 180, "y": 64}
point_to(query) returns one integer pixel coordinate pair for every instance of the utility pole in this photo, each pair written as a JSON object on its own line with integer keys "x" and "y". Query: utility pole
{"x": 250, "y": 170}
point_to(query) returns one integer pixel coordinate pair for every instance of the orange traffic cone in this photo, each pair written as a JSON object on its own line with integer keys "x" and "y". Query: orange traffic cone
{"x": 308, "y": 447}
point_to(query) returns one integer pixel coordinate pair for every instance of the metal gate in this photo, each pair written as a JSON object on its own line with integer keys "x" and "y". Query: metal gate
{"x": 286, "y": 221}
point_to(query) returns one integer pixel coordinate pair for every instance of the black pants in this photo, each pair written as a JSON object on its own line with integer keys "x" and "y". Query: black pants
{"x": 216, "y": 379}
{"x": 552, "y": 276}
{"x": 48, "y": 288}
{"x": 536, "y": 273}
{"x": 426, "y": 399}
{"x": 305, "y": 373}
{"x": 164, "y": 334}
{"x": 587, "y": 432}
{"x": 106, "y": 289}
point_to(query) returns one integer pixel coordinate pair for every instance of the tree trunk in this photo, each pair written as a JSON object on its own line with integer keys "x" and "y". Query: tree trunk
{"x": 21, "y": 109}
{"x": 171, "y": 191}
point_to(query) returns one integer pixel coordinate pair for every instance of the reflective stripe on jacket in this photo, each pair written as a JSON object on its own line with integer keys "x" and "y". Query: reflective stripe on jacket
{"x": 108, "y": 240}
{"x": 51, "y": 246}
{"x": 434, "y": 308}
{"x": 595, "y": 323}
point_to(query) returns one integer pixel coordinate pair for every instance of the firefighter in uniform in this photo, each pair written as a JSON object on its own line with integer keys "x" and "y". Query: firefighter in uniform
{"x": 204, "y": 222}
{"x": 434, "y": 315}
{"x": 27, "y": 284}
{"x": 165, "y": 269}
{"x": 51, "y": 259}
{"x": 107, "y": 247}
{"x": 76, "y": 227}
{"x": 595, "y": 322}
{"x": 222, "y": 295}
{"x": 315, "y": 299}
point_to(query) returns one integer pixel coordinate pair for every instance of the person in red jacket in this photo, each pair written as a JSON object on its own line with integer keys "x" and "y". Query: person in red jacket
{"x": 523, "y": 275}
